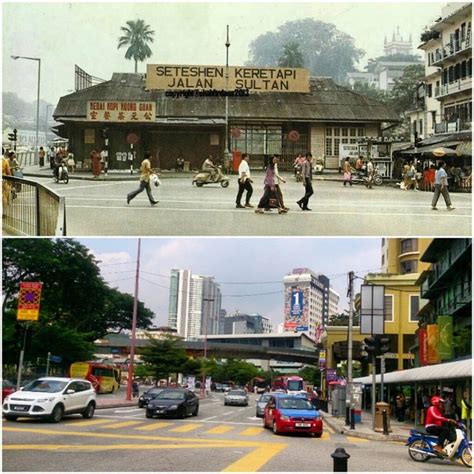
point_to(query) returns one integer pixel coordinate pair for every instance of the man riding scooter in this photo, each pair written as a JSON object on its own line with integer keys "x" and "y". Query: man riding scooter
{"x": 209, "y": 167}
{"x": 437, "y": 425}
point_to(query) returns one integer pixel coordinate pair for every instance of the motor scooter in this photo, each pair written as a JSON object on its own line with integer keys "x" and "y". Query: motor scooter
{"x": 204, "y": 177}
{"x": 360, "y": 177}
{"x": 61, "y": 173}
{"x": 421, "y": 447}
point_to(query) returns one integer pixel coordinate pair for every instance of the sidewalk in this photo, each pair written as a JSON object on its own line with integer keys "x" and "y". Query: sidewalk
{"x": 400, "y": 431}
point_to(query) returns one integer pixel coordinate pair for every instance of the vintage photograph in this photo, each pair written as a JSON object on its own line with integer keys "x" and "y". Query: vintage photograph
{"x": 197, "y": 119}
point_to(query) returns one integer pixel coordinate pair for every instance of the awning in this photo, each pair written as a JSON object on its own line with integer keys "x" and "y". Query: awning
{"x": 460, "y": 369}
{"x": 431, "y": 148}
{"x": 464, "y": 148}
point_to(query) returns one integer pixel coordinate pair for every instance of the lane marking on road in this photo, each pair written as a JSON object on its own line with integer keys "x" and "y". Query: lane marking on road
{"x": 153, "y": 426}
{"x": 342, "y": 213}
{"x": 122, "y": 424}
{"x": 128, "y": 410}
{"x": 328, "y": 428}
{"x": 98, "y": 185}
{"x": 210, "y": 418}
{"x": 186, "y": 428}
{"x": 252, "y": 431}
{"x": 354, "y": 439}
{"x": 91, "y": 422}
{"x": 219, "y": 429}
{"x": 324, "y": 437}
{"x": 227, "y": 413}
{"x": 253, "y": 461}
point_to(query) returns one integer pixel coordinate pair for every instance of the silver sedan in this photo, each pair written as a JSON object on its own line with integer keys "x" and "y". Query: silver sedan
{"x": 236, "y": 397}
{"x": 261, "y": 403}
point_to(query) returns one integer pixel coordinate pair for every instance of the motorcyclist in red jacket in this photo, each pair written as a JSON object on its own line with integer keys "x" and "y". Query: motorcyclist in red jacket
{"x": 435, "y": 423}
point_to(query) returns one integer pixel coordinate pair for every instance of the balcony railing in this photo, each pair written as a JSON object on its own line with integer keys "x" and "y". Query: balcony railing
{"x": 457, "y": 125}
{"x": 451, "y": 49}
{"x": 458, "y": 85}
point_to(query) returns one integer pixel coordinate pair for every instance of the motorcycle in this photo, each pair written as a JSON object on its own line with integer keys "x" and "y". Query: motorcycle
{"x": 298, "y": 175}
{"x": 61, "y": 173}
{"x": 420, "y": 447}
{"x": 204, "y": 177}
{"x": 360, "y": 177}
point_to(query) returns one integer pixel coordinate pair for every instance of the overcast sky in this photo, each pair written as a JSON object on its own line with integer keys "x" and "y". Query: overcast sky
{"x": 247, "y": 261}
{"x": 64, "y": 34}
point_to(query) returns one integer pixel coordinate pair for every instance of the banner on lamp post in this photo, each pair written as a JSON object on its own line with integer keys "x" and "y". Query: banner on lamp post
{"x": 432, "y": 356}
{"x": 29, "y": 301}
{"x": 422, "y": 346}
{"x": 445, "y": 337}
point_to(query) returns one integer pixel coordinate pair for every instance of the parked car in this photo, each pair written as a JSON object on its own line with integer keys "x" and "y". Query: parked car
{"x": 236, "y": 397}
{"x": 177, "y": 402}
{"x": 7, "y": 388}
{"x": 225, "y": 387}
{"x": 218, "y": 387}
{"x": 262, "y": 403}
{"x": 52, "y": 398}
{"x": 145, "y": 397}
{"x": 292, "y": 414}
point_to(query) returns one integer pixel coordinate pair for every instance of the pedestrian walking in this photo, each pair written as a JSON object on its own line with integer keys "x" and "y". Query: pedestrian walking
{"x": 95, "y": 160}
{"x": 71, "y": 164}
{"x": 400, "y": 407}
{"x": 278, "y": 180}
{"x": 41, "y": 155}
{"x": 306, "y": 173}
{"x": 145, "y": 174}
{"x": 347, "y": 172}
{"x": 245, "y": 183}
{"x": 6, "y": 188}
{"x": 441, "y": 187}
{"x": 370, "y": 174}
{"x": 51, "y": 157}
{"x": 270, "y": 196}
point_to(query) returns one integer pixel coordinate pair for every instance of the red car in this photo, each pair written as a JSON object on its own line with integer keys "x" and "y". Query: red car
{"x": 7, "y": 389}
{"x": 292, "y": 414}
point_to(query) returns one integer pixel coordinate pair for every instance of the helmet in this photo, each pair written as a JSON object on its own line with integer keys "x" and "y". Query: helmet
{"x": 435, "y": 401}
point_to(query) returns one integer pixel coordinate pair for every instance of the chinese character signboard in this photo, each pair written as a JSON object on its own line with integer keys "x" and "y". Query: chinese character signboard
{"x": 29, "y": 301}
{"x": 176, "y": 77}
{"x": 432, "y": 356}
{"x": 297, "y": 314}
{"x": 445, "y": 337}
{"x": 120, "y": 111}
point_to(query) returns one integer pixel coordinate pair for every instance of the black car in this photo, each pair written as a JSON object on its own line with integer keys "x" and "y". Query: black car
{"x": 177, "y": 402}
{"x": 148, "y": 395}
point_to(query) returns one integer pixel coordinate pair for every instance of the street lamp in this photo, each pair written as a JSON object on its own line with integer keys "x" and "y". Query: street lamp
{"x": 37, "y": 97}
{"x": 208, "y": 313}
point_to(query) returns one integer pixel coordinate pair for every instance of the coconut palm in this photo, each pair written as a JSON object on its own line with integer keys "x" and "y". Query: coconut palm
{"x": 291, "y": 55}
{"x": 136, "y": 36}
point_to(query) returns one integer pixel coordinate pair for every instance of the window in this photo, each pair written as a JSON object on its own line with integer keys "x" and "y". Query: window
{"x": 429, "y": 90}
{"x": 329, "y": 146}
{"x": 388, "y": 308}
{"x": 408, "y": 266}
{"x": 421, "y": 126}
{"x": 408, "y": 245}
{"x": 414, "y": 308}
{"x": 329, "y": 132}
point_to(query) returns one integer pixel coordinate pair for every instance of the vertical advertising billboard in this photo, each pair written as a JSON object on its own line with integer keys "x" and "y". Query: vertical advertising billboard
{"x": 297, "y": 315}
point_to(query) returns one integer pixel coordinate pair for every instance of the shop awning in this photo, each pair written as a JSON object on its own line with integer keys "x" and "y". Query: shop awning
{"x": 459, "y": 369}
{"x": 431, "y": 148}
{"x": 464, "y": 148}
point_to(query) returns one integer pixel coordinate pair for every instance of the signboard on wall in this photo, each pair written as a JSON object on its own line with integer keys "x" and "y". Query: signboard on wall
{"x": 120, "y": 111}
{"x": 445, "y": 337}
{"x": 179, "y": 77}
{"x": 297, "y": 316}
{"x": 432, "y": 347}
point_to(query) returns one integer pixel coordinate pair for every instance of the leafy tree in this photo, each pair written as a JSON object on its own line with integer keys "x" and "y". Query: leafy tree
{"x": 136, "y": 36}
{"x": 326, "y": 51}
{"x": 404, "y": 88}
{"x": 342, "y": 319}
{"x": 311, "y": 375}
{"x": 291, "y": 56}
{"x": 164, "y": 356}
{"x": 371, "y": 92}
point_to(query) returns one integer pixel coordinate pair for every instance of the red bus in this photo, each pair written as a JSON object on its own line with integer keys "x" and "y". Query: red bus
{"x": 105, "y": 378}
{"x": 289, "y": 383}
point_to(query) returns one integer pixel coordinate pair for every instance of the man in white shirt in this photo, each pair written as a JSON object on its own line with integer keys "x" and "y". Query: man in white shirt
{"x": 245, "y": 183}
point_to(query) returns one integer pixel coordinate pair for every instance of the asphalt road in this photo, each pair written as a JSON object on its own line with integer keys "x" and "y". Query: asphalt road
{"x": 100, "y": 208}
{"x": 220, "y": 438}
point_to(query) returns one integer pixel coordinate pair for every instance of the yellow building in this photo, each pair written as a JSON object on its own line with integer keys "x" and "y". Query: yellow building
{"x": 401, "y": 268}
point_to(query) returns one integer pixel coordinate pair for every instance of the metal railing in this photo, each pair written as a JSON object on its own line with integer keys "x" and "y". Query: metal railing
{"x": 29, "y": 208}
{"x": 27, "y": 158}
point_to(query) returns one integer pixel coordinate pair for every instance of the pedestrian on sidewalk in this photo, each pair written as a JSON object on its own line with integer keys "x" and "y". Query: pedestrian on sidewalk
{"x": 96, "y": 164}
{"x": 41, "y": 155}
{"x": 145, "y": 174}
{"x": 466, "y": 411}
{"x": 306, "y": 173}
{"x": 245, "y": 183}
{"x": 441, "y": 187}
{"x": 347, "y": 172}
{"x": 370, "y": 174}
{"x": 400, "y": 407}
{"x": 51, "y": 157}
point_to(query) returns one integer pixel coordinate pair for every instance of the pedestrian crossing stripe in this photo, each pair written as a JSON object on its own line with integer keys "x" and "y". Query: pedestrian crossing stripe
{"x": 354, "y": 439}
{"x": 219, "y": 429}
{"x": 325, "y": 436}
{"x": 251, "y": 431}
{"x": 186, "y": 428}
{"x": 122, "y": 424}
{"x": 92, "y": 422}
{"x": 153, "y": 426}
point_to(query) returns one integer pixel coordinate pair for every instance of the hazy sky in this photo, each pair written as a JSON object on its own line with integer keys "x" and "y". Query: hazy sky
{"x": 64, "y": 34}
{"x": 247, "y": 261}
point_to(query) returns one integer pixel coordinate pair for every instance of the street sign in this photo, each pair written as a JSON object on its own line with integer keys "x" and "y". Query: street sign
{"x": 132, "y": 138}
{"x": 293, "y": 136}
{"x": 29, "y": 301}
{"x": 56, "y": 359}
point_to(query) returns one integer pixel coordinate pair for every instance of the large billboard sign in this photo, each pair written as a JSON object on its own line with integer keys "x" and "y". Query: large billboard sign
{"x": 120, "y": 111}
{"x": 29, "y": 301}
{"x": 179, "y": 77}
{"x": 297, "y": 315}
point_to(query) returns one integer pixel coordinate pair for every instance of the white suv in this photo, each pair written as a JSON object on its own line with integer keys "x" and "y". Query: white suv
{"x": 51, "y": 397}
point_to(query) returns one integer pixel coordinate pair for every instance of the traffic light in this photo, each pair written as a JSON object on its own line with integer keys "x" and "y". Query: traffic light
{"x": 369, "y": 346}
{"x": 384, "y": 345}
{"x": 12, "y": 136}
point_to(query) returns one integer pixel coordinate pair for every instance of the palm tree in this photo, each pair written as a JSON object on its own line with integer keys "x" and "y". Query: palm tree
{"x": 136, "y": 36}
{"x": 291, "y": 56}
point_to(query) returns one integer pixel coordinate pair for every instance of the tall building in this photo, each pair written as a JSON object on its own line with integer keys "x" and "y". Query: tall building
{"x": 194, "y": 304}
{"x": 307, "y": 302}
{"x": 247, "y": 324}
{"x": 447, "y": 45}
{"x": 401, "y": 269}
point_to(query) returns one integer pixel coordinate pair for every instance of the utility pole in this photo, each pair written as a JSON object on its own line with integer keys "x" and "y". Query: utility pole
{"x": 20, "y": 363}
{"x": 134, "y": 326}
{"x": 349, "y": 401}
{"x": 226, "y": 138}
{"x": 203, "y": 382}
